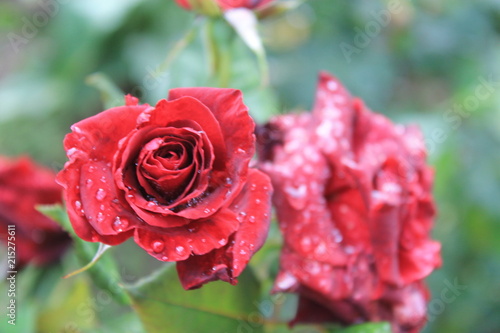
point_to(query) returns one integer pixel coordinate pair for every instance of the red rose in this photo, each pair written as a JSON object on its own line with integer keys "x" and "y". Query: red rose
{"x": 205, "y": 6}
{"x": 354, "y": 202}
{"x": 174, "y": 176}
{"x": 23, "y": 185}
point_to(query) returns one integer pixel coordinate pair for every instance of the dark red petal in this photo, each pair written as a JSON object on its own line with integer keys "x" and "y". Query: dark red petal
{"x": 100, "y": 202}
{"x": 198, "y": 237}
{"x": 333, "y": 113}
{"x": 250, "y": 4}
{"x": 252, "y": 210}
{"x": 237, "y": 129}
{"x": 98, "y": 136}
{"x": 169, "y": 112}
{"x": 68, "y": 177}
{"x": 153, "y": 211}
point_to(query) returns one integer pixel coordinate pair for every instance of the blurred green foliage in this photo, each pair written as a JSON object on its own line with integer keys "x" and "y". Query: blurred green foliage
{"x": 425, "y": 62}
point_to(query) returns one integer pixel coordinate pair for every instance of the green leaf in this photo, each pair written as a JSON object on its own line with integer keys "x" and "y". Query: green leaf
{"x": 70, "y": 306}
{"x": 163, "y": 305}
{"x": 103, "y": 272}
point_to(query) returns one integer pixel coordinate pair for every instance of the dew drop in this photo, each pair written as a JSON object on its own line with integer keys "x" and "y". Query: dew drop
{"x": 164, "y": 258}
{"x": 228, "y": 182}
{"x": 179, "y": 249}
{"x": 120, "y": 224}
{"x": 207, "y": 210}
{"x": 100, "y": 195}
{"x": 102, "y": 207}
{"x": 337, "y": 236}
{"x": 257, "y": 201}
{"x": 243, "y": 251}
{"x": 100, "y": 217}
{"x": 286, "y": 281}
{"x": 103, "y": 179}
{"x": 222, "y": 241}
{"x": 241, "y": 151}
{"x": 251, "y": 219}
{"x": 241, "y": 216}
{"x": 265, "y": 188}
{"x": 203, "y": 240}
{"x": 92, "y": 168}
{"x": 78, "y": 204}
{"x": 320, "y": 249}
{"x": 71, "y": 151}
{"x": 89, "y": 182}
{"x": 306, "y": 243}
{"x": 253, "y": 187}
{"x": 151, "y": 204}
{"x": 158, "y": 246}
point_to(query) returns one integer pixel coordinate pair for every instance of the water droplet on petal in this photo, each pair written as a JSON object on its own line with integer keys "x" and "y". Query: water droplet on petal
{"x": 179, "y": 249}
{"x": 222, "y": 241}
{"x": 241, "y": 216}
{"x": 120, "y": 224}
{"x": 337, "y": 236}
{"x": 158, "y": 246}
{"x": 241, "y": 151}
{"x": 306, "y": 243}
{"x": 100, "y": 217}
{"x": 257, "y": 201}
{"x": 100, "y": 195}
{"x": 78, "y": 204}
{"x": 92, "y": 168}
{"x": 89, "y": 182}
{"x": 207, "y": 210}
{"x": 228, "y": 182}
{"x": 103, "y": 179}
{"x": 286, "y": 281}
{"x": 203, "y": 240}
{"x": 251, "y": 219}
{"x": 164, "y": 258}
{"x": 253, "y": 187}
{"x": 243, "y": 252}
{"x": 71, "y": 151}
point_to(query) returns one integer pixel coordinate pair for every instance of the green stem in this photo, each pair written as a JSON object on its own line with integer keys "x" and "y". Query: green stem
{"x": 180, "y": 45}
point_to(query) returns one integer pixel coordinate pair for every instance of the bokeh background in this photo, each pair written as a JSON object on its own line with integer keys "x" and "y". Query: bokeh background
{"x": 433, "y": 63}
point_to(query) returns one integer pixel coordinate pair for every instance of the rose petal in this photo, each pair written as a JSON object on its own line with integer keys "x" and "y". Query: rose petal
{"x": 252, "y": 210}
{"x": 175, "y": 244}
{"x": 71, "y": 174}
{"x": 237, "y": 138}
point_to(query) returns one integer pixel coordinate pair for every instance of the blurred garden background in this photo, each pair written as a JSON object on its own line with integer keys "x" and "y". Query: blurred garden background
{"x": 432, "y": 63}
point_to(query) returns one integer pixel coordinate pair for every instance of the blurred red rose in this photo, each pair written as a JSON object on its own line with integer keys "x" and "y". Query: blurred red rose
{"x": 23, "y": 185}
{"x": 175, "y": 177}
{"x": 222, "y": 4}
{"x": 354, "y": 202}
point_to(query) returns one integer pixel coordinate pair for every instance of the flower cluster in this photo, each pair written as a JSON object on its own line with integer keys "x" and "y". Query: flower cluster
{"x": 354, "y": 203}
